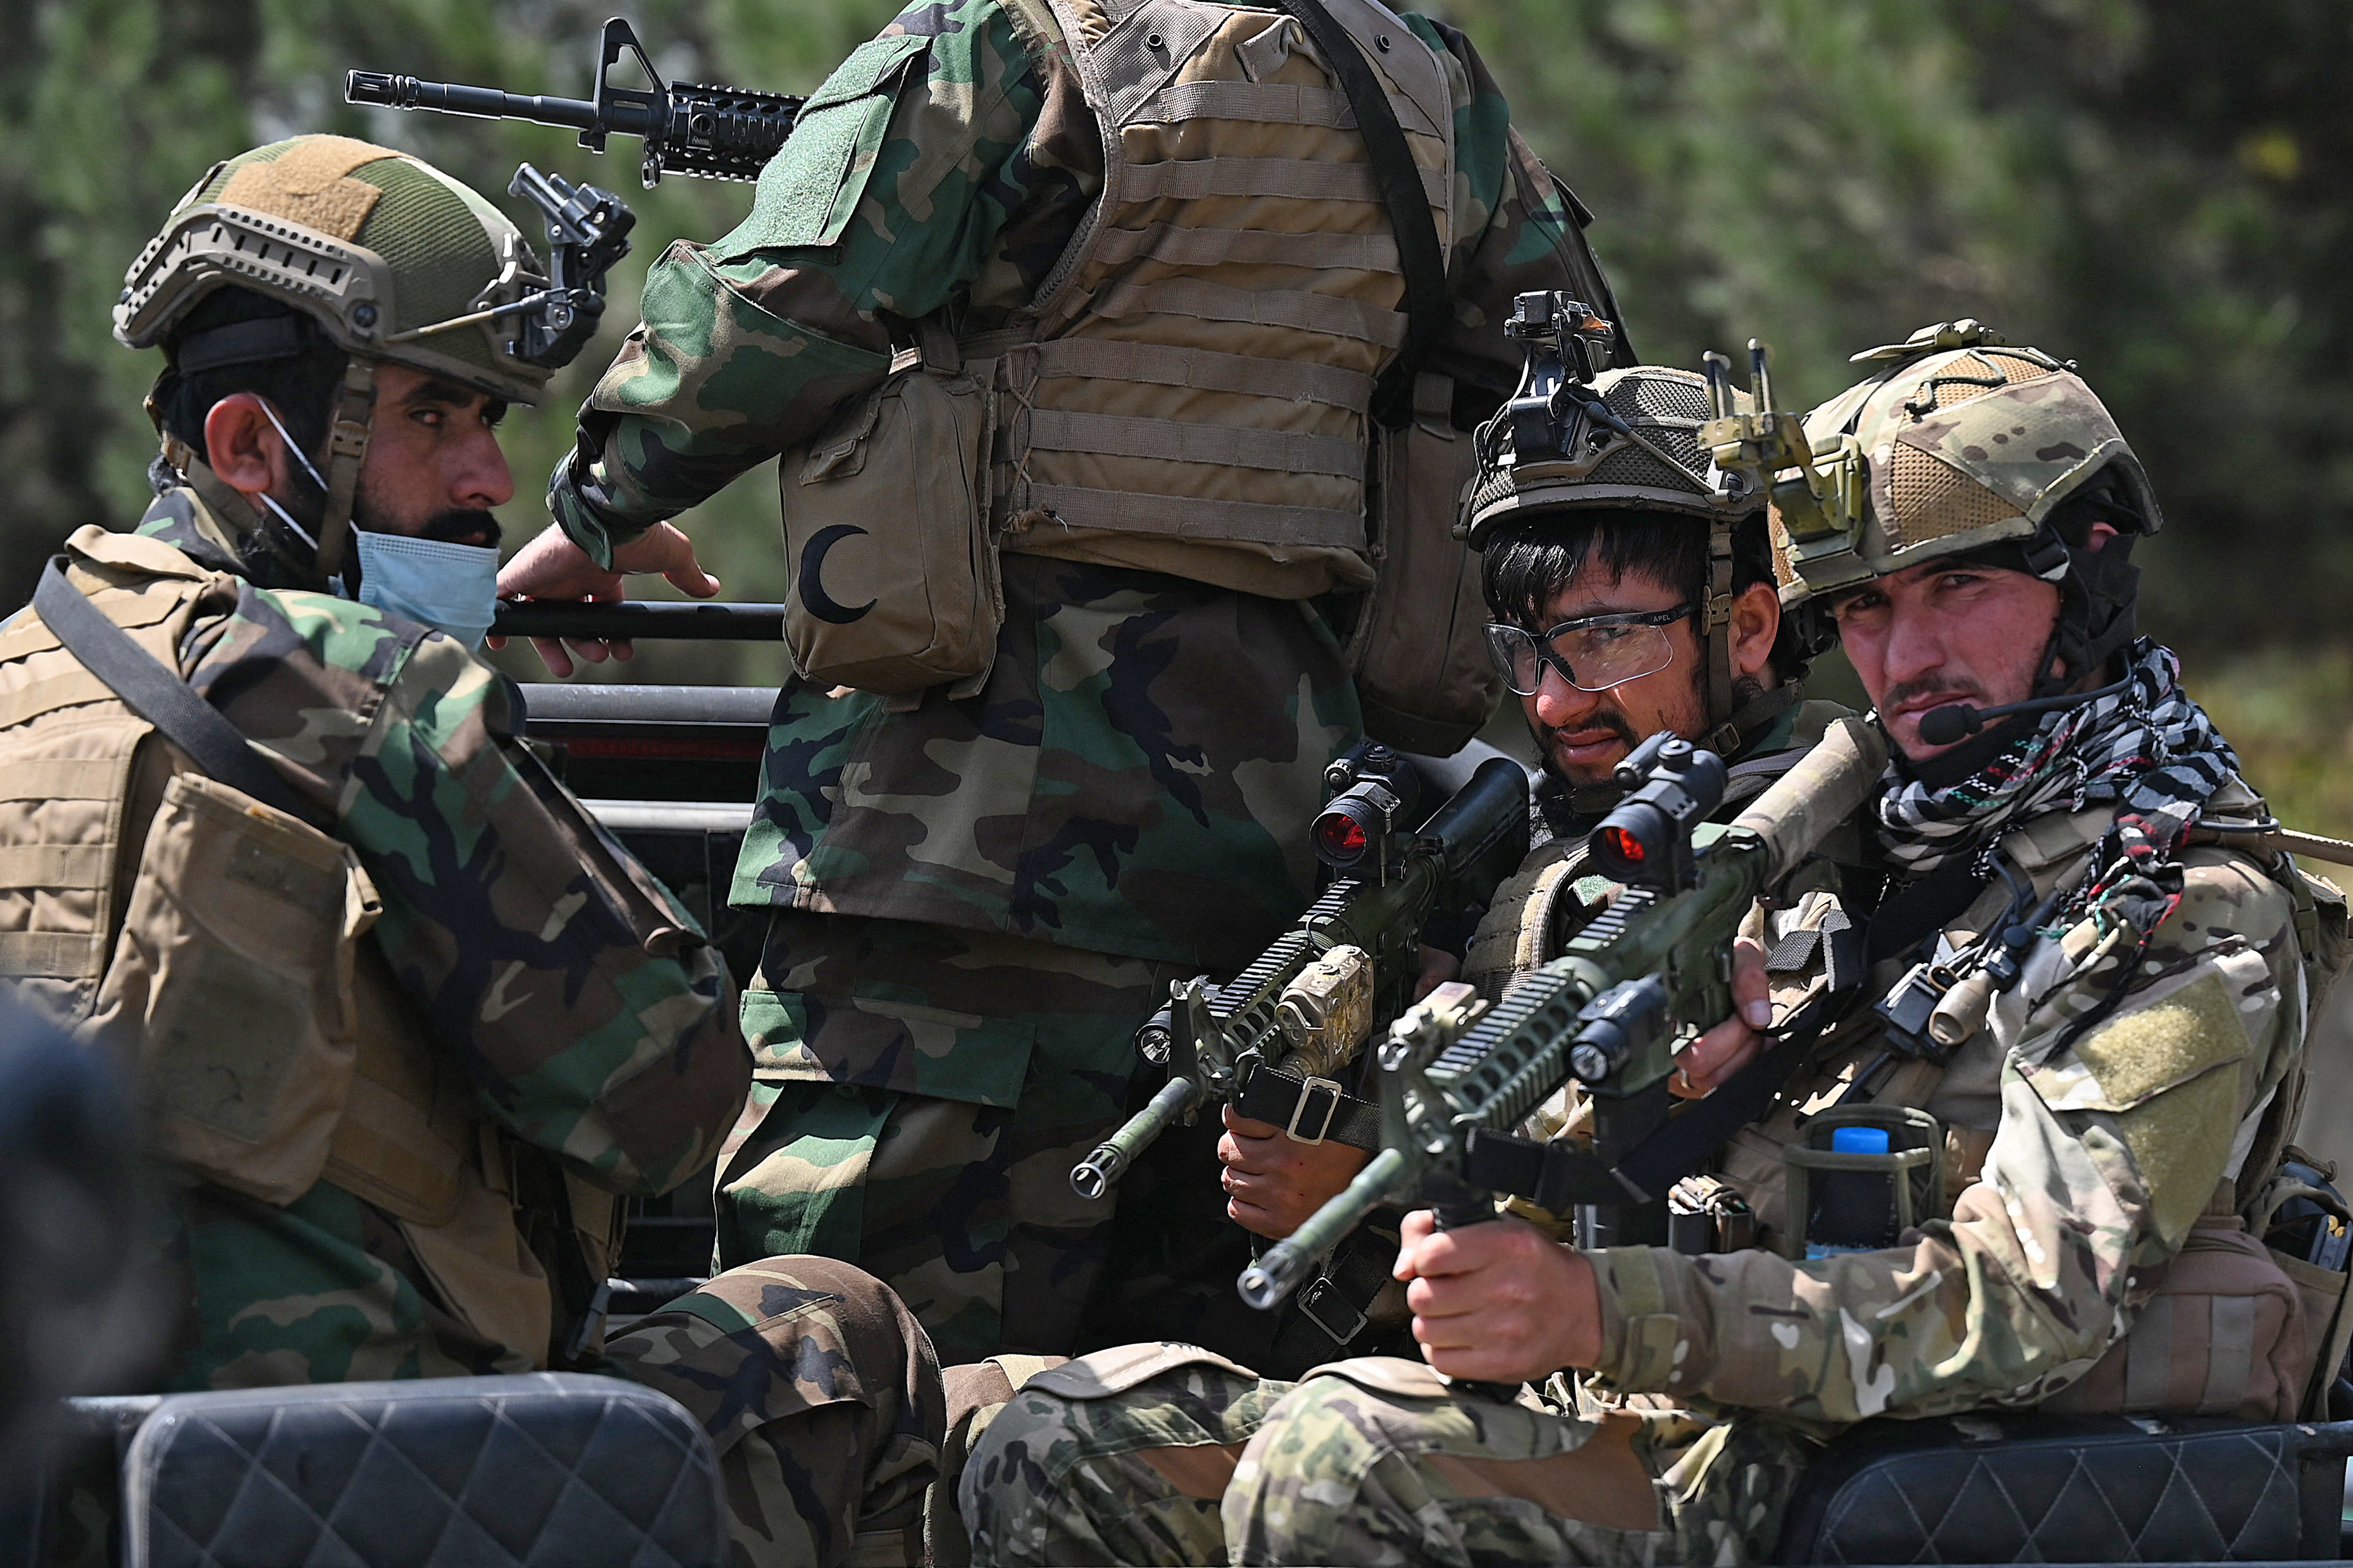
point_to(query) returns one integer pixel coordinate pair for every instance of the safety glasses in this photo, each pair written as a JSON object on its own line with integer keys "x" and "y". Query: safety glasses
{"x": 1593, "y": 654}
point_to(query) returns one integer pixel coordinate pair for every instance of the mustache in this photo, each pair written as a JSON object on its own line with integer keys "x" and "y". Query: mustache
{"x": 1927, "y": 686}
{"x": 460, "y": 525}
{"x": 1608, "y": 719}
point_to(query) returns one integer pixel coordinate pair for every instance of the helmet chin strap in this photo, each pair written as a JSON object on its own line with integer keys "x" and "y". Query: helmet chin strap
{"x": 347, "y": 446}
{"x": 1715, "y": 633}
{"x": 346, "y": 454}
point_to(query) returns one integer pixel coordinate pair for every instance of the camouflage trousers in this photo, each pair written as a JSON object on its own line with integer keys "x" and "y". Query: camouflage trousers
{"x": 921, "y": 1094}
{"x": 823, "y": 1400}
{"x": 1162, "y": 1453}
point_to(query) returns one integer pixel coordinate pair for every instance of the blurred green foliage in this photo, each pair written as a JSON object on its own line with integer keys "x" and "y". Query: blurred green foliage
{"x": 2157, "y": 188}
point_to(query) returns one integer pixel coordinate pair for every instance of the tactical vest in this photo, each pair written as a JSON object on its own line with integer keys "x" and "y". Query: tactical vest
{"x": 220, "y": 948}
{"x": 1198, "y": 363}
{"x": 2233, "y": 1328}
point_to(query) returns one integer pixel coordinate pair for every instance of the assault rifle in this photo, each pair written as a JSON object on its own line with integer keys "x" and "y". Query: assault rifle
{"x": 718, "y": 132}
{"x": 1302, "y": 1009}
{"x": 1640, "y": 981}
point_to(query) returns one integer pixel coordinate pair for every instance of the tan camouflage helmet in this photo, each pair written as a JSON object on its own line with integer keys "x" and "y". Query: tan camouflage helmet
{"x": 394, "y": 259}
{"x": 1955, "y": 443}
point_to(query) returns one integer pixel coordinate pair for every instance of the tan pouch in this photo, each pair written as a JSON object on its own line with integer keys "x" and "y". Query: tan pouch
{"x": 2327, "y": 1292}
{"x": 895, "y": 583}
{"x": 231, "y": 985}
{"x": 1419, "y": 646}
{"x": 2224, "y": 1334}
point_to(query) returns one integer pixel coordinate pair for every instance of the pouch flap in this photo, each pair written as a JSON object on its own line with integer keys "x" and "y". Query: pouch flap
{"x": 811, "y": 188}
{"x": 1387, "y": 1374}
{"x": 1106, "y": 1373}
{"x": 2178, "y": 1030}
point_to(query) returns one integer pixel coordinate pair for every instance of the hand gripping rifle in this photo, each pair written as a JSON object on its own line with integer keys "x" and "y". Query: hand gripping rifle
{"x": 1645, "y": 977}
{"x": 1293, "y": 1018}
{"x": 719, "y": 133}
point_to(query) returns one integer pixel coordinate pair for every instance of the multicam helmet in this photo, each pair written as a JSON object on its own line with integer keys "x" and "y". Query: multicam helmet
{"x": 394, "y": 259}
{"x": 1958, "y": 444}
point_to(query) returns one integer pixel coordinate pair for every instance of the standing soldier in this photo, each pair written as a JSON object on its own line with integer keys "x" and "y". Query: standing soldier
{"x": 2090, "y": 1018}
{"x": 412, "y": 1026}
{"x": 1072, "y": 328}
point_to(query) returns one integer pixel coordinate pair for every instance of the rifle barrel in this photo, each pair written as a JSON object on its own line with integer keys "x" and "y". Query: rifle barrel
{"x": 486, "y": 103}
{"x": 1283, "y": 1265}
{"x": 1095, "y": 1176}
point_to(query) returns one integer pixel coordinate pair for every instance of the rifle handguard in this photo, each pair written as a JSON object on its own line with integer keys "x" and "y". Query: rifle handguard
{"x": 1829, "y": 783}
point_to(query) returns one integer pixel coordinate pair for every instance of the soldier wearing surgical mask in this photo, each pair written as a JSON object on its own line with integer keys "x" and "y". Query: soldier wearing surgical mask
{"x": 411, "y": 1027}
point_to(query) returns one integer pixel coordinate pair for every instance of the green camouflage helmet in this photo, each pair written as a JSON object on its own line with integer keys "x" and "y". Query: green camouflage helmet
{"x": 393, "y": 257}
{"x": 1955, "y": 443}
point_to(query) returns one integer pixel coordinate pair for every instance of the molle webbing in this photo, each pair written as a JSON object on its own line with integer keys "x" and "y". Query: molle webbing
{"x": 1275, "y": 103}
{"x": 1111, "y": 359}
{"x": 1259, "y": 247}
{"x": 68, "y": 749}
{"x": 1240, "y": 256}
{"x": 1320, "y": 313}
{"x": 1170, "y": 440}
{"x": 1300, "y": 179}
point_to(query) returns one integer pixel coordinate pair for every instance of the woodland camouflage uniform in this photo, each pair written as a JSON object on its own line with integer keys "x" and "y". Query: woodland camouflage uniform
{"x": 579, "y": 1035}
{"x": 975, "y": 901}
{"x": 2106, "y": 1116}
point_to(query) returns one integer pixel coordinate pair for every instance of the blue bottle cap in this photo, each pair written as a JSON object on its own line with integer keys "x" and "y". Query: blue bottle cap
{"x": 1859, "y": 1140}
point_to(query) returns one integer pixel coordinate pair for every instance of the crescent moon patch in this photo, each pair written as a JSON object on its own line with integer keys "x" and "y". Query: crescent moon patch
{"x": 814, "y": 598}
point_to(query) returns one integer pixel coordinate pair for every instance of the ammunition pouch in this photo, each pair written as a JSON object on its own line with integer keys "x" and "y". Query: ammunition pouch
{"x": 232, "y": 987}
{"x": 1417, "y": 649}
{"x": 886, "y": 521}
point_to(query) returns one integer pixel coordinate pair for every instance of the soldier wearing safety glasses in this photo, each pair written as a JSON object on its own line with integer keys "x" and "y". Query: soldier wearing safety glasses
{"x": 1632, "y": 587}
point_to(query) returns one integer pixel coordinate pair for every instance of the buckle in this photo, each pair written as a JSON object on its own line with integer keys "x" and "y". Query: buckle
{"x": 1324, "y": 1289}
{"x": 1331, "y": 1109}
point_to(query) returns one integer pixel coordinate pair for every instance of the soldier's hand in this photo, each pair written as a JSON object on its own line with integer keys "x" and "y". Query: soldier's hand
{"x": 1433, "y": 967}
{"x": 552, "y": 567}
{"x": 1500, "y": 1301}
{"x": 1726, "y": 1049}
{"x": 1273, "y": 1181}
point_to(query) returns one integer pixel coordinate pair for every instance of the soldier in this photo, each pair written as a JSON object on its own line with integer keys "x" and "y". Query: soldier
{"x": 412, "y": 1026}
{"x": 1119, "y": 290}
{"x": 1633, "y": 591}
{"x": 1609, "y": 561}
{"x": 2129, "y": 1064}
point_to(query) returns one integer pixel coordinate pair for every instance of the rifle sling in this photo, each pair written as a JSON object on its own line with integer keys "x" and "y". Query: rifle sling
{"x": 158, "y": 695}
{"x": 1557, "y": 1176}
{"x": 1313, "y": 1115}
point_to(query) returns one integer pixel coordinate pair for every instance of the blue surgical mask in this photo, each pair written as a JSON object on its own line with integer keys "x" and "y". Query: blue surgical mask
{"x": 451, "y": 587}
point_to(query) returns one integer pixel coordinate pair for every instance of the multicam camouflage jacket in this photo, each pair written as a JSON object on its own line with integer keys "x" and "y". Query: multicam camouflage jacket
{"x": 1144, "y": 736}
{"x": 560, "y": 984}
{"x": 2104, "y": 1104}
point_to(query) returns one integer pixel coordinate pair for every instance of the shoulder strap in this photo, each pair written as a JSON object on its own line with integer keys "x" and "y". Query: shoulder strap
{"x": 157, "y": 694}
{"x": 1427, "y": 302}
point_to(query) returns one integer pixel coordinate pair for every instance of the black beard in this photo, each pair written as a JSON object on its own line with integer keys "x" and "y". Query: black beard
{"x": 458, "y": 526}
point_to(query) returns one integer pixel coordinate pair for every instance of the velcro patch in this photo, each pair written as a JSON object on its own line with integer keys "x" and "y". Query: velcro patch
{"x": 309, "y": 186}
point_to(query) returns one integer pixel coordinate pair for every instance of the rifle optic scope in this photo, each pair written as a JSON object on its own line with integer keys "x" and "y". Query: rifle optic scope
{"x": 1378, "y": 792}
{"x": 1647, "y": 840}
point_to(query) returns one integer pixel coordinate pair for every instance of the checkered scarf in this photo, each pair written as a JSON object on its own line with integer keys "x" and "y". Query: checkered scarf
{"x": 2150, "y": 748}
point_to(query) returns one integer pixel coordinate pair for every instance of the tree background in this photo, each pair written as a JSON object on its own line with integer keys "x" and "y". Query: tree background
{"x": 2156, "y": 188}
